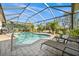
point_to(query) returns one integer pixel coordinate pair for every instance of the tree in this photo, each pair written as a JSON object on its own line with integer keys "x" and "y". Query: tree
{"x": 54, "y": 26}
{"x": 32, "y": 27}
{"x": 40, "y": 28}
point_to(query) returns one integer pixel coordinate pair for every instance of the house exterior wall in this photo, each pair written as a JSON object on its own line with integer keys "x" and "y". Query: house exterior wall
{"x": 2, "y": 19}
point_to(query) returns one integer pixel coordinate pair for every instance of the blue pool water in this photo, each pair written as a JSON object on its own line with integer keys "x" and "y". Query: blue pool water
{"x": 28, "y": 37}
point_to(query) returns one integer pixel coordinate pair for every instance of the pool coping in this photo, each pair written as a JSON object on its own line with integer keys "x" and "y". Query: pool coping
{"x": 51, "y": 36}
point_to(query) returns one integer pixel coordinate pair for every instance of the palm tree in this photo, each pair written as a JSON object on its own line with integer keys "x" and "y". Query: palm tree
{"x": 54, "y": 26}
{"x": 32, "y": 27}
{"x": 40, "y": 28}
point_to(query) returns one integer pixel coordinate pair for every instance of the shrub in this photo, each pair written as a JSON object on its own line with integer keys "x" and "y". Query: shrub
{"x": 74, "y": 32}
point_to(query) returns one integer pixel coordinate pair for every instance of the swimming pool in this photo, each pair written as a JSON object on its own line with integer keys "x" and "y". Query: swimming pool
{"x": 29, "y": 38}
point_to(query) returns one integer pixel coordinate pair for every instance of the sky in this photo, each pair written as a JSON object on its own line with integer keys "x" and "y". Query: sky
{"x": 15, "y": 8}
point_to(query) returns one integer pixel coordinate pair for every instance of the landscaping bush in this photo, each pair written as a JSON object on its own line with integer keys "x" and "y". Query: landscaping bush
{"x": 74, "y": 33}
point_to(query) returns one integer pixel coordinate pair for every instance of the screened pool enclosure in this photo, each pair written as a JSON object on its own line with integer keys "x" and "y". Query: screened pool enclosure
{"x": 23, "y": 22}
{"x": 38, "y": 13}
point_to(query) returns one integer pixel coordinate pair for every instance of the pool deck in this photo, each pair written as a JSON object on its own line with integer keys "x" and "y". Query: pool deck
{"x": 4, "y": 37}
{"x": 27, "y": 50}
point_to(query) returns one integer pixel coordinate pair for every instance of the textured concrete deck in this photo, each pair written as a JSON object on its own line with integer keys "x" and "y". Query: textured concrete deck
{"x": 27, "y": 50}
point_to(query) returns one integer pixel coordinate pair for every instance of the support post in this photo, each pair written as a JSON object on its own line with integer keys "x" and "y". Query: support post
{"x": 12, "y": 36}
{"x": 72, "y": 16}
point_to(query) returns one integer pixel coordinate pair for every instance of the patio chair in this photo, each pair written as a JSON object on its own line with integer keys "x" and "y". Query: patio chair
{"x": 63, "y": 47}
{"x": 73, "y": 46}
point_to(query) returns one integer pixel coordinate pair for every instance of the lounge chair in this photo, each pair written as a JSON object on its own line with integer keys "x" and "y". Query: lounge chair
{"x": 65, "y": 47}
